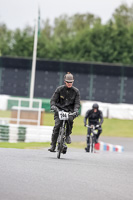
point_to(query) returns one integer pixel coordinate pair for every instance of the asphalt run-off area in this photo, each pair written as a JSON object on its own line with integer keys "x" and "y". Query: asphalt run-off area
{"x": 27, "y": 174}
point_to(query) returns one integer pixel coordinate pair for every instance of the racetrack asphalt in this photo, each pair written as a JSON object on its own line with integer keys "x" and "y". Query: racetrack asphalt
{"x": 37, "y": 174}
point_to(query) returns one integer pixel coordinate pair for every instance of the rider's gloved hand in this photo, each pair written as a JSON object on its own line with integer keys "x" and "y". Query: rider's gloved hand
{"x": 97, "y": 125}
{"x": 54, "y": 108}
{"x": 76, "y": 113}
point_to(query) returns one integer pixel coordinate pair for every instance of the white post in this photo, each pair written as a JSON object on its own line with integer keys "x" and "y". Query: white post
{"x": 19, "y": 110}
{"x": 33, "y": 64}
{"x": 39, "y": 113}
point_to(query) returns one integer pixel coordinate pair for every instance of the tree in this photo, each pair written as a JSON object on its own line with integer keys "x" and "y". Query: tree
{"x": 123, "y": 15}
{"x": 5, "y": 40}
{"x": 23, "y": 42}
{"x": 80, "y": 37}
{"x": 82, "y": 21}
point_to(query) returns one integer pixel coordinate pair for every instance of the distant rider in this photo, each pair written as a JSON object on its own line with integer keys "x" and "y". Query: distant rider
{"x": 67, "y": 98}
{"x": 94, "y": 117}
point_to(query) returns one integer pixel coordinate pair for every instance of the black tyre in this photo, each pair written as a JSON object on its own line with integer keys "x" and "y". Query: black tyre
{"x": 60, "y": 143}
{"x": 58, "y": 153}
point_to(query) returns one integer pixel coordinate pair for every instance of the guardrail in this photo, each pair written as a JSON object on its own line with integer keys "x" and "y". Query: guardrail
{"x": 14, "y": 133}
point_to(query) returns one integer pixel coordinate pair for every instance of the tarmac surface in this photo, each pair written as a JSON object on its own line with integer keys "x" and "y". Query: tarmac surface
{"x": 38, "y": 174}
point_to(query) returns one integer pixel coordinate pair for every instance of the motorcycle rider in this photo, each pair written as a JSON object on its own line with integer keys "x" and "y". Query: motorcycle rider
{"x": 94, "y": 117}
{"x": 67, "y": 98}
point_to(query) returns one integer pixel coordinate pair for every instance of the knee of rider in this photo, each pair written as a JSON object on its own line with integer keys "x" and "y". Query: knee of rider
{"x": 56, "y": 129}
{"x": 57, "y": 123}
{"x": 100, "y": 130}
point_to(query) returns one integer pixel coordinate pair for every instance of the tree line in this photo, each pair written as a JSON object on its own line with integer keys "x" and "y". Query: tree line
{"x": 81, "y": 37}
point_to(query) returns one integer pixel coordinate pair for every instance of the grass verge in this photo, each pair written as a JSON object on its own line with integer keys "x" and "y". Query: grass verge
{"x": 5, "y": 113}
{"x": 111, "y": 127}
{"x": 23, "y": 145}
{"x": 80, "y": 145}
{"x": 37, "y": 145}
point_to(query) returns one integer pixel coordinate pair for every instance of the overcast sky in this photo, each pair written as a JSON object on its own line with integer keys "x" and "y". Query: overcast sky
{"x": 19, "y": 13}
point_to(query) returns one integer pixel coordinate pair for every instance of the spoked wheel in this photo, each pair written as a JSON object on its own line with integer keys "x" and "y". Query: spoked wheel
{"x": 60, "y": 143}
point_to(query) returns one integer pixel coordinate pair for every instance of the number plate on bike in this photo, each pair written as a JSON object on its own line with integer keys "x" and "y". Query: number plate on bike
{"x": 63, "y": 115}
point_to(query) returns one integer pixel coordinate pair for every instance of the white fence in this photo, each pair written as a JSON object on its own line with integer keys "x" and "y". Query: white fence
{"x": 14, "y": 133}
{"x": 117, "y": 111}
{"x": 4, "y": 104}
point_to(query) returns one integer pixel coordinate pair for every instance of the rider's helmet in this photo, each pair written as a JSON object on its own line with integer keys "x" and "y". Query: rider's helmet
{"x": 68, "y": 77}
{"x": 95, "y": 106}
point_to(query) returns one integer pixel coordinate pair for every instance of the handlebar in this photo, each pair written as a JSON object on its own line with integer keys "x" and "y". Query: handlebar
{"x": 92, "y": 126}
{"x": 93, "y": 129}
{"x": 69, "y": 113}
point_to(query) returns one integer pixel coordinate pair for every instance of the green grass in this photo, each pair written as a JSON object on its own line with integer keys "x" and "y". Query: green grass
{"x": 37, "y": 145}
{"x": 80, "y": 145}
{"x": 6, "y": 113}
{"x": 118, "y": 128}
{"x": 23, "y": 145}
{"x": 111, "y": 127}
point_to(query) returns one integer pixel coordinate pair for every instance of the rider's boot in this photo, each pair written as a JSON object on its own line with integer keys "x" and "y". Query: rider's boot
{"x": 53, "y": 143}
{"x": 68, "y": 139}
{"x": 87, "y": 149}
{"x": 52, "y": 148}
{"x": 64, "y": 149}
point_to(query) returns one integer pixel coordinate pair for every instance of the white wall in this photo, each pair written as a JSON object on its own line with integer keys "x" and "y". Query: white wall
{"x": 4, "y": 102}
{"x": 32, "y": 133}
{"x": 117, "y": 111}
